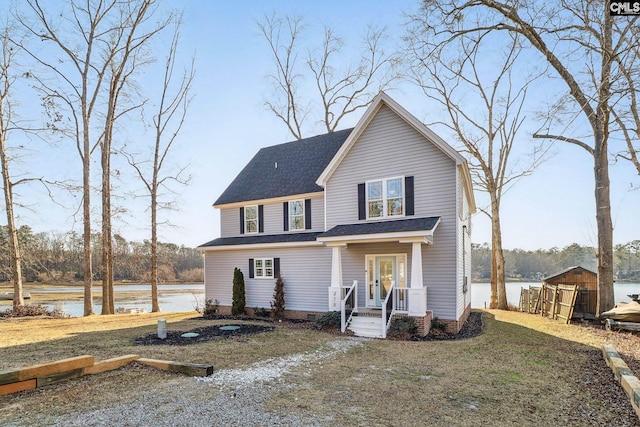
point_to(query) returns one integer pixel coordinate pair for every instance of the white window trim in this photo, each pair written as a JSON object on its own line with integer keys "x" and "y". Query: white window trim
{"x": 264, "y": 268}
{"x": 257, "y": 220}
{"x": 385, "y": 214}
{"x": 303, "y": 215}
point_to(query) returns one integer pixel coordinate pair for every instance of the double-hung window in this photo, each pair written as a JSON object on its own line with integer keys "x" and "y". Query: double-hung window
{"x": 296, "y": 215}
{"x": 263, "y": 268}
{"x": 385, "y": 198}
{"x": 251, "y": 219}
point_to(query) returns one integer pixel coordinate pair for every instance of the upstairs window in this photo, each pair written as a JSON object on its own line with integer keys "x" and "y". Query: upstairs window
{"x": 385, "y": 198}
{"x": 296, "y": 215}
{"x": 251, "y": 219}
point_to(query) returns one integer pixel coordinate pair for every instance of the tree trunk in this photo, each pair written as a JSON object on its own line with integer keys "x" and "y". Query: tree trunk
{"x": 499, "y": 299}
{"x": 14, "y": 245}
{"x": 86, "y": 221}
{"x": 606, "y": 297}
{"x": 107, "y": 261}
{"x": 155, "y": 307}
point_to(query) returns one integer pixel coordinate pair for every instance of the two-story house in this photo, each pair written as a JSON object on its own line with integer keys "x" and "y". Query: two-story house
{"x": 373, "y": 221}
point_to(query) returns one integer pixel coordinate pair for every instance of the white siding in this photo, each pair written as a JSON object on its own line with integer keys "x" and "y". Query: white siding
{"x": 306, "y": 273}
{"x": 390, "y": 147}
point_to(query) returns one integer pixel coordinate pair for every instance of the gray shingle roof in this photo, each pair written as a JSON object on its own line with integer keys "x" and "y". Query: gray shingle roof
{"x": 398, "y": 226}
{"x": 255, "y": 239}
{"x": 299, "y": 164}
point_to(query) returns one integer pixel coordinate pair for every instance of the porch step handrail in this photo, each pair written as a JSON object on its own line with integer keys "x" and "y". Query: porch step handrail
{"x": 387, "y": 310}
{"x": 351, "y": 297}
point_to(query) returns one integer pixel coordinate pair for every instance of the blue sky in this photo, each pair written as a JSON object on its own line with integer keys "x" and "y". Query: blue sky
{"x": 228, "y": 124}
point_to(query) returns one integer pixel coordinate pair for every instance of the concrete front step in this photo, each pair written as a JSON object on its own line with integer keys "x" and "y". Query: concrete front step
{"x": 370, "y": 327}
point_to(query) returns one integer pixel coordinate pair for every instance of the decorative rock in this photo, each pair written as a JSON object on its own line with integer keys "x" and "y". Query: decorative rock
{"x": 229, "y": 328}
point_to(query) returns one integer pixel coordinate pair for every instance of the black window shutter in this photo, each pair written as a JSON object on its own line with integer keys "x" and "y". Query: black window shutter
{"x": 276, "y": 267}
{"x": 251, "y": 268}
{"x": 307, "y": 214}
{"x": 362, "y": 211}
{"x": 408, "y": 191}
{"x": 285, "y": 215}
{"x": 260, "y": 218}
{"x": 241, "y": 220}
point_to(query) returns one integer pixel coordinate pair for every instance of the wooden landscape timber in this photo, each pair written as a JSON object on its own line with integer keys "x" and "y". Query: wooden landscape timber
{"x": 31, "y": 377}
{"x": 624, "y": 375}
{"x": 193, "y": 369}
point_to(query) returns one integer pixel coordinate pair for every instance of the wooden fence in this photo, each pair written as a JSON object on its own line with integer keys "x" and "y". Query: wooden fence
{"x": 554, "y": 301}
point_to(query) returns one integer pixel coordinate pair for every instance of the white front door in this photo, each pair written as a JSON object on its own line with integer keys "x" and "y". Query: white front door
{"x": 382, "y": 270}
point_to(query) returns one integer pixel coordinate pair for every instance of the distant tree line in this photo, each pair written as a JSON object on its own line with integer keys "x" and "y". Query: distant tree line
{"x": 56, "y": 258}
{"x": 534, "y": 265}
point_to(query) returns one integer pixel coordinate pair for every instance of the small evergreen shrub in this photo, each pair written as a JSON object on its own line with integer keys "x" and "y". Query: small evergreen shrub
{"x": 402, "y": 326}
{"x": 277, "y": 305}
{"x": 438, "y": 325}
{"x": 261, "y": 312}
{"x": 238, "y": 302}
{"x": 329, "y": 320}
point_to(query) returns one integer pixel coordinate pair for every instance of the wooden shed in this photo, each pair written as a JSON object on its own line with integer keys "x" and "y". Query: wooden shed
{"x": 587, "y": 282}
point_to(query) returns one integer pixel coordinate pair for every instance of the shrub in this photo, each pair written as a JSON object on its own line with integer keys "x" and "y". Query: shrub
{"x": 32, "y": 310}
{"x": 238, "y": 303}
{"x": 261, "y": 312}
{"x": 277, "y": 305}
{"x": 329, "y": 320}
{"x": 402, "y": 326}
{"x": 438, "y": 325}
{"x": 211, "y": 307}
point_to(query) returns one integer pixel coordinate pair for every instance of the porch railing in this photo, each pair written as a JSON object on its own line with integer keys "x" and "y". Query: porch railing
{"x": 387, "y": 309}
{"x": 348, "y": 304}
{"x": 401, "y": 300}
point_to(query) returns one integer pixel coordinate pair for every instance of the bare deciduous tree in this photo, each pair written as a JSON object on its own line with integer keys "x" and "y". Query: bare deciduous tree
{"x": 169, "y": 118}
{"x": 126, "y": 48}
{"x": 6, "y": 126}
{"x": 340, "y": 90}
{"x": 576, "y": 39}
{"x": 484, "y": 109}
{"x": 94, "y": 53}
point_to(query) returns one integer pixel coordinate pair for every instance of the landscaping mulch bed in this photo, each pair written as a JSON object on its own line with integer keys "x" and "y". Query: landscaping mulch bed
{"x": 206, "y": 333}
{"x": 471, "y": 328}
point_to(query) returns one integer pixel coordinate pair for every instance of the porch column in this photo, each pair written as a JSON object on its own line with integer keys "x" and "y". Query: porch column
{"x": 416, "y": 265}
{"x": 417, "y": 291}
{"x": 335, "y": 290}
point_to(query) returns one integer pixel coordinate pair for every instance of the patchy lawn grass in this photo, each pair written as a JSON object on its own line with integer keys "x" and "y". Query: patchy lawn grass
{"x": 522, "y": 370}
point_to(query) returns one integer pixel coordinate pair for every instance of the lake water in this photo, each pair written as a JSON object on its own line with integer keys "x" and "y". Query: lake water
{"x": 188, "y": 296}
{"x": 481, "y": 292}
{"x": 184, "y": 297}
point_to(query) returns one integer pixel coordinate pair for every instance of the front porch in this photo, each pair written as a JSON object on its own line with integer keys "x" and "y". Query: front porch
{"x": 374, "y": 322}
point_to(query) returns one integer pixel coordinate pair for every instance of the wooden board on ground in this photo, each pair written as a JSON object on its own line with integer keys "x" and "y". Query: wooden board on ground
{"x": 45, "y": 369}
{"x": 110, "y": 364}
{"x": 194, "y": 369}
